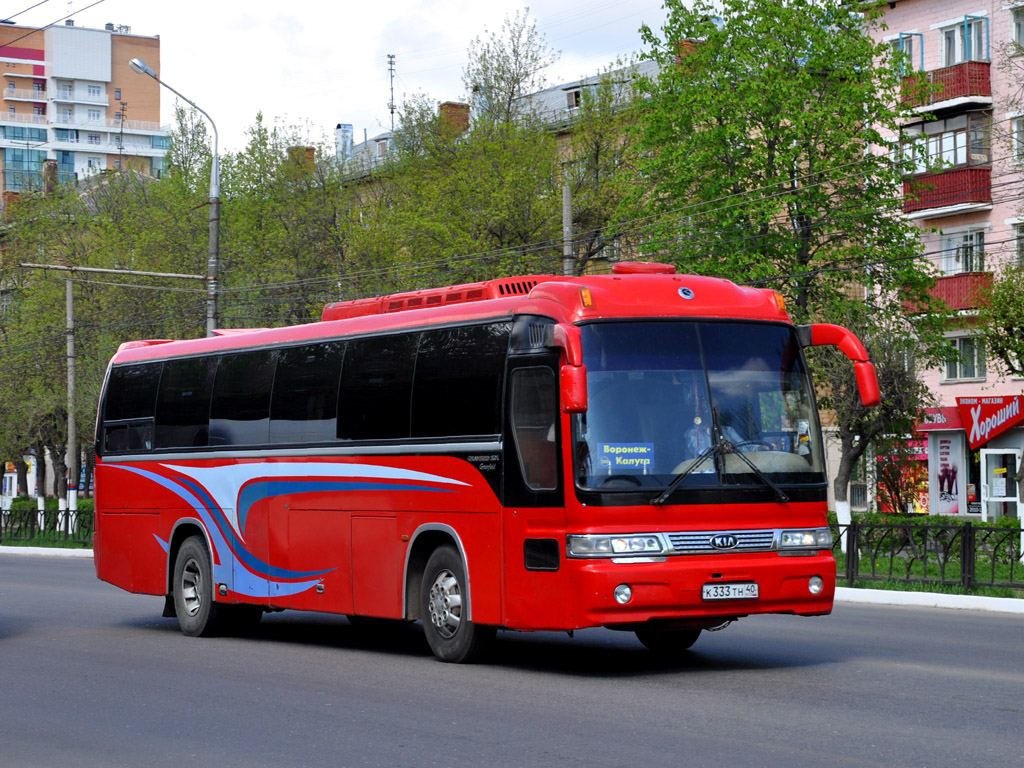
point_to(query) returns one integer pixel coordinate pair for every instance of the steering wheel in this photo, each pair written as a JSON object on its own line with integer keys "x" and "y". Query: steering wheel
{"x": 631, "y": 479}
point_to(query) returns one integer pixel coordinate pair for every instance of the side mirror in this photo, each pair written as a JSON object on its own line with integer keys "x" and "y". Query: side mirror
{"x": 573, "y": 383}
{"x": 867, "y": 384}
{"x": 826, "y": 334}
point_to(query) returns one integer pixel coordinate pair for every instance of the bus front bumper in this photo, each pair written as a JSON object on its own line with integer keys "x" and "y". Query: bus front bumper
{"x": 700, "y": 590}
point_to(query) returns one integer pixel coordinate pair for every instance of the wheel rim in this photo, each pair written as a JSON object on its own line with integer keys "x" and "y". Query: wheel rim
{"x": 445, "y": 604}
{"x": 192, "y": 587}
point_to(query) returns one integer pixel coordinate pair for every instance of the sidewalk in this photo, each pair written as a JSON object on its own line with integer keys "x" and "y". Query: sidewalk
{"x": 843, "y": 594}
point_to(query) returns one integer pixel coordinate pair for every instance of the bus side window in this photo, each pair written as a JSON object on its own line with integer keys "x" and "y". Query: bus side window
{"x": 128, "y": 408}
{"x": 183, "y": 404}
{"x": 534, "y": 396}
{"x": 457, "y": 388}
{"x": 376, "y": 387}
{"x": 304, "y": 408}
{"x": 240, "y": 410}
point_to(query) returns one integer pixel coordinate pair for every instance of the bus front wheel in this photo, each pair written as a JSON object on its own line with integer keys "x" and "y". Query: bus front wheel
{"x": 445, "y": 612}
{"x": 198, "y": 614}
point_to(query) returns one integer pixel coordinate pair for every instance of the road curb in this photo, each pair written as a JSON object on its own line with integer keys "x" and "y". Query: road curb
{"x": 46, "y": 551}
{"x": 930, "y": 600}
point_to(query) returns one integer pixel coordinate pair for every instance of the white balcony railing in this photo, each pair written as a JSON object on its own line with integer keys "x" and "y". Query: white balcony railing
{"x": 6, "y": 117}
{"x": 100, "y": 99}
{"x": 24, "y": 94}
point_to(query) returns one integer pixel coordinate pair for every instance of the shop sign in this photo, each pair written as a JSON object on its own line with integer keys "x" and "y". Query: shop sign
{"x": 939, "y": 418}
{"x": 986, "y": 417}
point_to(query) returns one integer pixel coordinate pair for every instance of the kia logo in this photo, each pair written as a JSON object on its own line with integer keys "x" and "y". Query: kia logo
{"x": 724, "y": 542}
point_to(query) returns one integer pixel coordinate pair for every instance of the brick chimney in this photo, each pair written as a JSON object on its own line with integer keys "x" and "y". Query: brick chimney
{"x": 455, "y": 115}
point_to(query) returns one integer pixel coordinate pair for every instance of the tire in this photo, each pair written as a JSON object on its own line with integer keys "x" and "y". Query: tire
{"x": 450, "y": 634}
{"x": 667, "y": 641}
{"x": 198, "y": 614}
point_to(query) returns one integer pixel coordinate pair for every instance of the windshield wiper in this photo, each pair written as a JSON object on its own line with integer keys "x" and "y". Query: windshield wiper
{"x": 662, "y": 497}
{"x": 719, "y": 449}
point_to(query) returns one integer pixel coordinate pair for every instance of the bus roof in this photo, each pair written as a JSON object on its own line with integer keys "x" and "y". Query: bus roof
{"x": 634, "y": 290}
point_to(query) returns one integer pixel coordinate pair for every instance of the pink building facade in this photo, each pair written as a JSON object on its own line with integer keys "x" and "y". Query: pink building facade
{"x": 971, "y": 215}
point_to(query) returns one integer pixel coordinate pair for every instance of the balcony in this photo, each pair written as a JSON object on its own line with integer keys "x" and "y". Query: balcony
{"x": 962, "y": 291}
{"x": 24, "y": 94}
{"x": 965, "y": 82}
{"x": 956, "y": 188}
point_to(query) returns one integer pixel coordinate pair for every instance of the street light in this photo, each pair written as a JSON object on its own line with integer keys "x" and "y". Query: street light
{"x": 213, "y": 261}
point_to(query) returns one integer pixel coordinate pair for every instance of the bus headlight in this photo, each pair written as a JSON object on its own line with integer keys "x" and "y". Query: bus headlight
{"x": 615, "y": 546}
{"x": 813, "y": 538}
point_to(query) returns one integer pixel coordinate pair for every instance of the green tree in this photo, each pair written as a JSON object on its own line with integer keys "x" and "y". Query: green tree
{"x": 504, "y": 67}
{"x": 282, "y": 228}
{"x": 598, "y": 165}
{"x": 764, "y": 146}
{"x": 764, "y": 142}
{"x": 468, "y": 202}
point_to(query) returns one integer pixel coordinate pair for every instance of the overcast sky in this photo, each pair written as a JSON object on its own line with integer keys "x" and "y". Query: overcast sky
{"x": 317, "y": 63}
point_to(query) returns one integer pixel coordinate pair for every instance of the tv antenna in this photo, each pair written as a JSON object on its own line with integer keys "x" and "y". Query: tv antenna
{"x": 391, "y": 104}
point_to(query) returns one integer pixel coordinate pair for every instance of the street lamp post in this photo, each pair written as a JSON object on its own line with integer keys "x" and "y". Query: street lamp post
{"x": 213, "y": 260}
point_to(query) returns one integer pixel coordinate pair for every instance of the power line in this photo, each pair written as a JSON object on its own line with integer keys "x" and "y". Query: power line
{"x": 47, "y": 26}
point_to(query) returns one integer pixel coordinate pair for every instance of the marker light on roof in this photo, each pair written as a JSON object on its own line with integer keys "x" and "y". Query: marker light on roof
{"x": 586, "y": 298}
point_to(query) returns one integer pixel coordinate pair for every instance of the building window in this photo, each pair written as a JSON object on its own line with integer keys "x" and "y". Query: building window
{"x": 95, "y": 114}
{"x": 1018, "y": 26}
{"x": 94, "y": 91}
{"x": 966, "y": 359}
{"x": 117, "y": 94}
{"x": 572, "y": 99}
{"x": 966, "y": 41}
{"x": 937, "y": 145}
{"x": 1018, "y": 238}
{"x": 910, "y": 45}
{"x": 10, "y": 110}
{"x": 93, "y": 163}
{"x": 94, "y": 138}
{"x": 963, "y": 252}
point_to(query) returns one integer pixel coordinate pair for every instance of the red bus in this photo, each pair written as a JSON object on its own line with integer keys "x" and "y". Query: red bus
{"x": 638, "y": 451}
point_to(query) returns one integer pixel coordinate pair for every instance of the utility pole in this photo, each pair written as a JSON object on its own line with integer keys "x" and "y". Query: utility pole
{"x": 568, "y": 257}
{"x": 120, "y": 142}
{"x": 73, "y": 471}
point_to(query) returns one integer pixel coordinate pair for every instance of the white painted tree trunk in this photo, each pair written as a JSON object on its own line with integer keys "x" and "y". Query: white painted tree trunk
{"x": 843, "y": 515}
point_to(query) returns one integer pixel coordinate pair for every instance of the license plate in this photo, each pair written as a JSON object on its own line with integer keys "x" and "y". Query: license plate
{"x": 745, "y": 590}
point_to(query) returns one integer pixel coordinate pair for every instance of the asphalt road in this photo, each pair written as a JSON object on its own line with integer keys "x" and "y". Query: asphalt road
{"x": 92, "y": 676}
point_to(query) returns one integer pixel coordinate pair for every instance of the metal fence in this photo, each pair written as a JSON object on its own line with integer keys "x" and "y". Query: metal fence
{"x": 962, "y": 555}
{"x": 31, "y": 525}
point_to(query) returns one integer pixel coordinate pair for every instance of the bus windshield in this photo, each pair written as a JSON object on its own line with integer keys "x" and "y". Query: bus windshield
{"x": 663, "y": 394}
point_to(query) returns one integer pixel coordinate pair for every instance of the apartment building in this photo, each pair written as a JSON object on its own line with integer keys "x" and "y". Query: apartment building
{"x": 70, "y": 97}
{"x": 966, "y": 193}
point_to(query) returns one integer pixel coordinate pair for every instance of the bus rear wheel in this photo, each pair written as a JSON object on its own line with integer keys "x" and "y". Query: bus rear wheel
{"x": 198, "y": 614}
{"x": 666, "y": 641}
{"x": 444, "y": 610}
